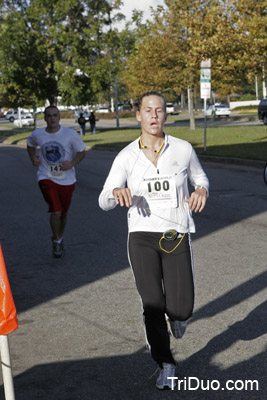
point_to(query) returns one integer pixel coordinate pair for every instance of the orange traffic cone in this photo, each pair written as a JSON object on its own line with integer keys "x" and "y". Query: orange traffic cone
{"x": 8, "y": 314}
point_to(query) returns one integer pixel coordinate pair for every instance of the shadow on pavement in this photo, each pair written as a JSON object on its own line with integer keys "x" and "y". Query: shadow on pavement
{"x": 234, "y": 297}
{"x": 127, "y": 377}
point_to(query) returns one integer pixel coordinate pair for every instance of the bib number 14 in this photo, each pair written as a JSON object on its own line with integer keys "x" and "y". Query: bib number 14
{"x": 55, "y": 171}
{"x": 55, "y": 168}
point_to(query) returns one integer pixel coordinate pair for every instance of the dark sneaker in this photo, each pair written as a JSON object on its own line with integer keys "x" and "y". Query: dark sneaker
{"x": 164, "y": 380}
{"x": 58, "y": 249}
{"x": 178, "y": 328}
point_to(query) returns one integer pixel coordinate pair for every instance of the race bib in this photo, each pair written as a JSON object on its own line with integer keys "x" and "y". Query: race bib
{"x": 161, "y": 191}
{"x": 55, "y": 171}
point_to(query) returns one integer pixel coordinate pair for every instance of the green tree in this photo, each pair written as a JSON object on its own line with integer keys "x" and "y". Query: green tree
{"x": 86, "y": 70}
{"x": 168, "y": 56}
{"x": 252, "y": 23}
{"x": 50, "y": 48}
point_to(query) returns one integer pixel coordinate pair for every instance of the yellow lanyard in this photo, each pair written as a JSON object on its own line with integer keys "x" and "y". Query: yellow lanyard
{"x": 145, "y": 147}
{"x": 175, "y": 247}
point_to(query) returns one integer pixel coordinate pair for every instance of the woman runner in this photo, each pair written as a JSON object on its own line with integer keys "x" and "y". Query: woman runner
{"x": 150, "y": 177}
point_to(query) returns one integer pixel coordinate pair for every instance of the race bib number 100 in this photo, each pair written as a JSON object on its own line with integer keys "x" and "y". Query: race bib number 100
{"x": 55, "y": 171}
{"x": 161, "y": 191}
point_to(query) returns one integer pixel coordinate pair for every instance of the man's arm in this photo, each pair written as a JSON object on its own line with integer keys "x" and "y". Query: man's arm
{"x": 79, "y": 156}
{"x": 32, "y": 154}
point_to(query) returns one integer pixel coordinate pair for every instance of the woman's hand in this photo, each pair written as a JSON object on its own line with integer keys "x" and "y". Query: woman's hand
{"x": 122, "y": 196}
{"x": 197, "y": 200}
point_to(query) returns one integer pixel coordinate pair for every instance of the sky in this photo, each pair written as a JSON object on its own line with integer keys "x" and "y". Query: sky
{"x": 143, "y": 5}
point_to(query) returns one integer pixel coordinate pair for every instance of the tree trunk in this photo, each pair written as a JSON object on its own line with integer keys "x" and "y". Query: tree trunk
{"x": 52, "y": 100}
{"x": 191, "y": 108}
{"x": 182, "y": 101}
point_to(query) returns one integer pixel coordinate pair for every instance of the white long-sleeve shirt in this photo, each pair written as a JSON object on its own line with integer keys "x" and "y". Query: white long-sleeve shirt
{"x": 158, "y": 192}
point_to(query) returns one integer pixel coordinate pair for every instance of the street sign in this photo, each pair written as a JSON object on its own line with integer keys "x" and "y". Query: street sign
{"x": 205, "y": 78}
{"x": 205, "y": 88}
{"x": 205, "y": 63}
{"x": 205, "y": 75}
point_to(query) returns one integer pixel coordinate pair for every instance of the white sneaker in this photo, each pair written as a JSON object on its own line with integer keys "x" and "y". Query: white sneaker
{"x": 178, "y": 328}
{"x": 164, "y": 381}
{"x": 58, "y": 249}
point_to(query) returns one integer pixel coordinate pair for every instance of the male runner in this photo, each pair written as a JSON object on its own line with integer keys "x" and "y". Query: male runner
{"x": 61, "y": 149}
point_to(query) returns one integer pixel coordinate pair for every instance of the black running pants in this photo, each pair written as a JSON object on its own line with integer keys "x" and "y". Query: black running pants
{"x": 165, "y": 284}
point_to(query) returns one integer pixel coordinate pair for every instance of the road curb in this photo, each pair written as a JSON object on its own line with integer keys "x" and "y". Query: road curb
{"x": 219, "y": 160}
{"x": 233, "y": 161}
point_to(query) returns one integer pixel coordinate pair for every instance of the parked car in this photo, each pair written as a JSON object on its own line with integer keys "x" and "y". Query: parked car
{"x": 85, "y": 113}
{"x": 218, "y": 110}
{"x": 125, "y": 107}
{"x": 12, "y": 115}
{"x": 262, "y": 111}
{"x": 26, "y": 120}
{"x": 102, "y": 110}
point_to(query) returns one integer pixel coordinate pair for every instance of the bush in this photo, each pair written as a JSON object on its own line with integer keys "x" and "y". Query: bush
{"x": 246, "y": 108}
{"x": 112, "y": 115}
{"x": 67, "y": 114}
{"x": 246, "y": 97}
{"x": 127, "y": 114}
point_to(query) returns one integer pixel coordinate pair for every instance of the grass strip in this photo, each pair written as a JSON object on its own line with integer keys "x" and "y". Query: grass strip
{"x": 246, "y": 142}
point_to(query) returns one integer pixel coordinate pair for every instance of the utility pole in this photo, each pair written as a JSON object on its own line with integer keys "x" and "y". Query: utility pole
{"x": 205, "y": 88}
{"x": 115, "y": 87}
{"x": 190, "y": 95}
{"x": 263, "y": 84}
{"x": 115, "y": 90}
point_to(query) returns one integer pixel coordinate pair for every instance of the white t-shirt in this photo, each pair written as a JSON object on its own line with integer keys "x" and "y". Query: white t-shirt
{"x": 158, "y": 193}
{"x": 55, "y": 148}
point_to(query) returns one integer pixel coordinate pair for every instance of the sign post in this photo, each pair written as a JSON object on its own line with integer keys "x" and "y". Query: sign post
{"x": 205, "y": 87}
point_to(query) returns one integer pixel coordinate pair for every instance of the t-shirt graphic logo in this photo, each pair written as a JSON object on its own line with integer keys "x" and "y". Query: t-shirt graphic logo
{"x": 53, "y": 152}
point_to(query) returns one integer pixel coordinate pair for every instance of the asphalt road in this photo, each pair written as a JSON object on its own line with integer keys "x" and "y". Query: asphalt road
{"x": 80, "y": 330}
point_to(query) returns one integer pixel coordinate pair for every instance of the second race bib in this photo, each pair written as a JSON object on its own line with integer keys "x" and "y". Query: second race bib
{"x": 55, "y": 171}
